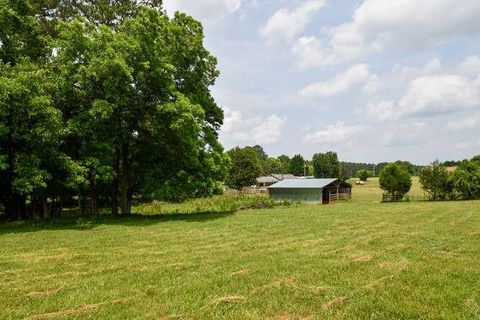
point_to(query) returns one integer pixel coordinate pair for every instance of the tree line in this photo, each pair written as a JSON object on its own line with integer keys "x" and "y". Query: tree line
{"x": 101, "y": 103}
{"x": 248, "y": 163}
{"x": 439, "y": 183}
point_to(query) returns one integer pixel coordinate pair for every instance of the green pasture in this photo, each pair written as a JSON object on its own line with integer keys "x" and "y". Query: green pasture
{"x": 355, "y": 260}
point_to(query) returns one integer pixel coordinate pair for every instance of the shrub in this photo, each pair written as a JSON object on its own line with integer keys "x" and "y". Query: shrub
{"x": 435, "y": 181}
{"x": 396, "y": 180}
{"x": 363, "y": 175}
{"x": 466, "y": 180}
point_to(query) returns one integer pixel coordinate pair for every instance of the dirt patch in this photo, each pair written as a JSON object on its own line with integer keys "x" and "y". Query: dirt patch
{"x": 228, "y": 299}
{"x": 319, "y": 290}
{"x": 338, "y": 300}
{"x": 242, "y": 272}
{"x": 39, "y": 294}
{"x": 365, "y": 258}
{"x": 81, "y": 309}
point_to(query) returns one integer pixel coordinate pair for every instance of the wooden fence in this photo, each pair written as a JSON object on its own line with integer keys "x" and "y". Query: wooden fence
{"x": 340, "y": 196}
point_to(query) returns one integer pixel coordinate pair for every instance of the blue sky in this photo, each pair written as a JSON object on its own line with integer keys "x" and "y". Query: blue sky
{"x": 374, "y": 80}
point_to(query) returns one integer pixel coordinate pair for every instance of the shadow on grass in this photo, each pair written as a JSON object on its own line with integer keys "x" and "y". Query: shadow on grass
{"x": 88, "y": 222}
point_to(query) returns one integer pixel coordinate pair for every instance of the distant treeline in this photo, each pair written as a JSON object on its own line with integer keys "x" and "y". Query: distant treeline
{"x": 352, "y": 168}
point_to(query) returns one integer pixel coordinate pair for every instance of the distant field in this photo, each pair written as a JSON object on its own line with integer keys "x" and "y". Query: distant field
{"x": 355, "y": 260}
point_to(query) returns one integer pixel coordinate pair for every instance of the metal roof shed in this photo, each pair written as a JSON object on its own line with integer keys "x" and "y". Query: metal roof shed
{"x": 306, "y": 190}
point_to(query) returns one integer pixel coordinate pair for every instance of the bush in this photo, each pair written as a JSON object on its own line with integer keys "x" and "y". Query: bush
{"x": 466, "y": 180}
{"x": 396, "y": 180}
{"x": 363, "y": 175}
{"x": 435, "y": 180}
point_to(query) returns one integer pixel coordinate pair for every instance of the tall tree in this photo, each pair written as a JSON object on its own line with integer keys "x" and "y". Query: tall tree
{"x": 297, "y": 165}
{"x": 326, "y": 165}
{"x": 285, "y": 163}
{"x": 108, "y": 12}
{"x": 271, "y": 166}
{"x": 31, "y": 131}
{"x": 20, "y": 33}
{"x": 129, "y": 87}
{"x": 261, "y": 154}
{"x": 244, "y": 168}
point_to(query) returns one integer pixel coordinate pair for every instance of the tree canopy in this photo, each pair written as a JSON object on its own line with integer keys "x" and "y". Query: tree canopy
{"x": 297, "y": 165}
{"x": 106, "y": 101}
{"x": 244, "y": 169}
{"x": 396, "y": 180}
{"x": 326, "y": 165}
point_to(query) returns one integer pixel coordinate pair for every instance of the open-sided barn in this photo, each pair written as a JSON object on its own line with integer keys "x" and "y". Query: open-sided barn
{"x": 310, "y": 190}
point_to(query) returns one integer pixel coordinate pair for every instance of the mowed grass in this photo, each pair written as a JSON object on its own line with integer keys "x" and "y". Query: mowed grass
{"x": 355, "y": 260}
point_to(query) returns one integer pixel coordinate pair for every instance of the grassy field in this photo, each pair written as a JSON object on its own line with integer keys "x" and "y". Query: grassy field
{"x": 355, "y": 260}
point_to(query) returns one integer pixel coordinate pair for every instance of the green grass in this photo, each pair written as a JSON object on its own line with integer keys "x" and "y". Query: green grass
{"x": 355, "y": 260}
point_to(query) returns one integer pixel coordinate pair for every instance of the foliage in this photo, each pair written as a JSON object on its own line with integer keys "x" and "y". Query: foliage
{"x": 271, "y": 166}
{"x": 435, "y": 181}
{"x": 244, "y": 168}
{"x": 352, "y": 168}
{"x": 466, "y": 180}
{"x": 215, "y": 204}
{"x": 476, "y": 159}
{"x": 30, "y": 135}
{"x": 285, "y": 163}
{"x": 119, "y": 108}
{"x": 261, "y": 154}
{"x": 297, "y": 165}
{"x": 363, "y": 175}
{"x": 396, "y": 180}
{"x": 326, "y": 165}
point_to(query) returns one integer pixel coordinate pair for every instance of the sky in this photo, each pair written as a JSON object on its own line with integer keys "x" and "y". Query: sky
{"x": 373, "y": 80}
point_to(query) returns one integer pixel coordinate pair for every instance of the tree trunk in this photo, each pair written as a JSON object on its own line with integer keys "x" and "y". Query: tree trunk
{"x": 16, "y": 207}
{"x": 114, "y": 195}
{"x": 124, "y": 179}
{"x": 93, "y": 195}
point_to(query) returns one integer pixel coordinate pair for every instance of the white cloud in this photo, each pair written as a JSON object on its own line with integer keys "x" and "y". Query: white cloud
{"x": 471, "y": 65}
{"x": 250, "y": 131}
{"x": 285, "y": 24}
{"x": 472, "y": 144}
{"x": 381, "y": 111}
{"x": 465, "y": 123}
{"x": 334, "y": 134}
{"x": 378, "y": 24}
{"x": 205, "y": 10}
{"x": 405, "y": 135}
{"x": 231, "y": 119}
{"x": 355, "y": 76}
{"x": 440, "y": 94}
{"x": 432, "y": 89}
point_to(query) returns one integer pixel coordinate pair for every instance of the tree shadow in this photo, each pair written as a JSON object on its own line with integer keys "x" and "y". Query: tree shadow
{"x": 88, "y": 222}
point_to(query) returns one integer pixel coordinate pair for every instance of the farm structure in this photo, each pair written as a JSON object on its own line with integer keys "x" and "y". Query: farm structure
{"x": 265, "y": 181}
{"x": 322, "y": 191}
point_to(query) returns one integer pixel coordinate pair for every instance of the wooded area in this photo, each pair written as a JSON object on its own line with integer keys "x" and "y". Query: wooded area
{"x": 102, "y": 102}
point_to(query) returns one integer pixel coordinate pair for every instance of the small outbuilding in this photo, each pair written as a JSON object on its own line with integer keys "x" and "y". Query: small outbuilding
{"x": 266, "y": 181}
{"x": 310, "y": 190}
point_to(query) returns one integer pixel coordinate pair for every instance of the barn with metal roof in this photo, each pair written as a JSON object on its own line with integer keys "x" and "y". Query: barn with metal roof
{"x": 309, "y": 190}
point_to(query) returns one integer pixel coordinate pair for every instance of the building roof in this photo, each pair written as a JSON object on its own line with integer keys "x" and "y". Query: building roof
{"x": 267, "y": 179}
{"x": 281, "y": 176}
{"x": 302, "y": 184}
{"x": 275, "y": 178}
